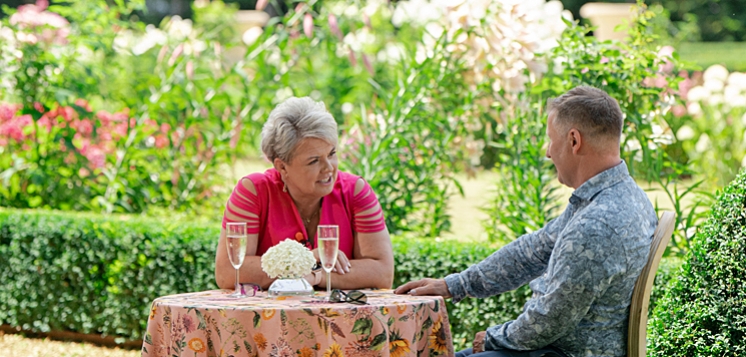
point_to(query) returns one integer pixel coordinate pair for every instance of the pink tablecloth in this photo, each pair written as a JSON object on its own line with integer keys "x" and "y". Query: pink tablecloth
{"x": 211, "y": 324}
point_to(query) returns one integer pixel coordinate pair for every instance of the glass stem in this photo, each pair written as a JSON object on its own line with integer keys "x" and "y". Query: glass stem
{"x": 328, "y": 284}
{"x": 238, "y": 288}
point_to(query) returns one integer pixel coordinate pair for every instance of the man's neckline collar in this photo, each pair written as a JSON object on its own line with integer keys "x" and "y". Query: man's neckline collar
{"x": 600, "y": 182}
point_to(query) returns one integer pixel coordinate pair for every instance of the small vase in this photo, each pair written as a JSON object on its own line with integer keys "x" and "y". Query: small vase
{"x": 290, "y": 286}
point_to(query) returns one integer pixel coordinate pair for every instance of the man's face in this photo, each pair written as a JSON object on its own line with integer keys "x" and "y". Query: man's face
{"x": 558, "y": 150}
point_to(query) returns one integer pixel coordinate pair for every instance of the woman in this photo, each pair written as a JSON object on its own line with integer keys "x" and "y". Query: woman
{"x": 303, "y": 190}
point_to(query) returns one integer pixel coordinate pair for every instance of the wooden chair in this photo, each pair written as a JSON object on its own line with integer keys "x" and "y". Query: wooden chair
{"x": 638, "y": 310}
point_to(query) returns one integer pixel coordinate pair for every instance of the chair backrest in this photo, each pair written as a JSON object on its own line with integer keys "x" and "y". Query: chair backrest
{"x": 638, "y": 309}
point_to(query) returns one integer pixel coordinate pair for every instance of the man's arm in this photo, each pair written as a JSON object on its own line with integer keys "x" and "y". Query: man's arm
{"x": 582, "y": 269}
{"x": 511, "y": 266}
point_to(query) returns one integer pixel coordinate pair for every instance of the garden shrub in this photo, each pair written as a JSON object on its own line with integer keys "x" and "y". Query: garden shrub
{"x": 98, "y": 274}
{"x": 703, "y": 310}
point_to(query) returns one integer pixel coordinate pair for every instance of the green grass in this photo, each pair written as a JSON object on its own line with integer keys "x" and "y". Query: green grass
{"x": 730, "y": 54}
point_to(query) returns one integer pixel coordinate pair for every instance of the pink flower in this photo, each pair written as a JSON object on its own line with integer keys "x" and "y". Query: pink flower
{"x": 161, "y": 141}
{"x": 604, "y": 60}
{"x": 366, "y": 62}
{"x": 189, "y": 325}
{"x": 83, "y": 127}
{"x": 190, "y": 70}
{"x": 83, "y": 104}
{"x": 96, "y": 157}
{"x": 353, "y": 60}
{"x": 165, "y": 128}
{"x": 334, "y": 27}
{"x": 7, "y": 111}
{"x": 678, "y": 111}
{"x": 39, "y": 107}
{"x": 308, "y": 25}
{"x": 177, "y": 52}
{"x": 104, "y": 117}
{"x": 120, "y": 130}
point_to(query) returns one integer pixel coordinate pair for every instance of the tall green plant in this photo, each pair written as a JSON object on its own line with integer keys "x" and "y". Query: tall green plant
{"x": 403, "y": 141}
{"x": 525, "y": 197}
{"x": 630, "y": 71}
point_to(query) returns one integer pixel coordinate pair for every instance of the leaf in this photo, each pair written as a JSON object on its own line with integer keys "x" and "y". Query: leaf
{"x": 257, "y": 320}
{"x": 308, "y": 311}
{"x": 202, "y": 324}
{"x": 363, "y": 326}
{"x": 247, "y": 345}
{"x": 427, "y": 323}
{"x": 148, "y": 339}
{"x": 336, "y": 329}
{"x": 378, "y": 341}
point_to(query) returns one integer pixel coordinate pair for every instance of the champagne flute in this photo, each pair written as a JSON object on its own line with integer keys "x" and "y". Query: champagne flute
{"x": 328, "y": 241}
{"x": 236, "y": 238}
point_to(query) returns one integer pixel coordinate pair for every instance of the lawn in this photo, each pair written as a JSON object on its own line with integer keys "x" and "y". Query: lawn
{"x": 730, "y": 54}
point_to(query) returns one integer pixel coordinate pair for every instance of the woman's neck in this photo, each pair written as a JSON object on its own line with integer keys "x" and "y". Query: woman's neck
{"x": 307, "y": 207}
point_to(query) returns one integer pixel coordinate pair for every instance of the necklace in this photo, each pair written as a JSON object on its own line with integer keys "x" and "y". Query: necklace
{"x": 307, "y": 221}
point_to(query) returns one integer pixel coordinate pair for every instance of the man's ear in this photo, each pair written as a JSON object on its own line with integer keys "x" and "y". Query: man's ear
{"x": 575, "y": 139}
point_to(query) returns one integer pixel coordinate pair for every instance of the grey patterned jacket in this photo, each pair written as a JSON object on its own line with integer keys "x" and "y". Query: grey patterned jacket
{"x": 582, "y": 268}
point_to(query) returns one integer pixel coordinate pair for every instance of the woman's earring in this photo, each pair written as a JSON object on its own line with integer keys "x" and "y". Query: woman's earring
{"x": 284, "y": 187}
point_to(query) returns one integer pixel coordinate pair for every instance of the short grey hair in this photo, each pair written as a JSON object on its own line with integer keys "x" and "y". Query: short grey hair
{"x": 590, "y": 110}
{"x": 292, "y": 121}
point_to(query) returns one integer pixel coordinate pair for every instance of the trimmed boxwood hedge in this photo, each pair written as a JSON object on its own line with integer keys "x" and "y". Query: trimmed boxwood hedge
{"x": 98, "y": 274}
{"x": 703, "y": 312}
{"x": 94, "y": 274}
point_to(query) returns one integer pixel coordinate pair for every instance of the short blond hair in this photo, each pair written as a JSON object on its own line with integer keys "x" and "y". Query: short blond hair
{"x": 590, "y": 110}
{"x": 292, "y": 121}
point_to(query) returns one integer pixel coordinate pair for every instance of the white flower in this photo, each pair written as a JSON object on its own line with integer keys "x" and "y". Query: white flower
{"x": 694, "y": 109}
{"x": 685, "y": 133}
{"x": 252, "y": 34}
{"x": 698, "y": 93}
{"x": 737, "y": 79}
{"x": 702, "y": 144}
{"x": 716, "y": 72}
{"x": 288, "y": 259}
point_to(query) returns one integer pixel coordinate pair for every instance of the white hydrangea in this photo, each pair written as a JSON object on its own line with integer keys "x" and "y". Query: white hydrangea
{"x": 288, "y": 259}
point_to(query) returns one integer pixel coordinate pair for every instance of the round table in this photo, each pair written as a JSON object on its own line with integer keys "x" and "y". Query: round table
{"x": 210, "y": 323}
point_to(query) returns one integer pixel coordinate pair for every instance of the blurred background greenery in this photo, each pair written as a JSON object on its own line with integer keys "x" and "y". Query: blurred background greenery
{"x": 710, "y": 31}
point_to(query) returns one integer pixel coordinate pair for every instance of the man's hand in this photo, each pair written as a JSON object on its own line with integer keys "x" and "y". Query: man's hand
{"x": 479, "y": 342}
{"x": 425, "y": 287}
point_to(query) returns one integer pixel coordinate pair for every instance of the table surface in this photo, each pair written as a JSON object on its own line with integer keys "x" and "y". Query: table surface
{"x": 210, "y": 323}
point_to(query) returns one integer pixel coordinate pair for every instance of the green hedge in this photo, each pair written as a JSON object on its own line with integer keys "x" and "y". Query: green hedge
{"x": 703, "y": 312}
{"x": 98, "y": 274}
{"x": 94, "y": 274}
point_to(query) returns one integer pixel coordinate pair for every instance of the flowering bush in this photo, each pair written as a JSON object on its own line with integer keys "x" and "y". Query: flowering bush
{"x": 288, "y": 259}
{"x": 712, "y": 125}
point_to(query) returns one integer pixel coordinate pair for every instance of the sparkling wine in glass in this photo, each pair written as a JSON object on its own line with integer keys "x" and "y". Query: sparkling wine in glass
{"x": 236, "y": 242}
{"x": 328, "y": 241}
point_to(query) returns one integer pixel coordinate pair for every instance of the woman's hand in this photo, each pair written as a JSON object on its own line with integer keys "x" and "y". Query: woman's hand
{"x": 343, "y": 263}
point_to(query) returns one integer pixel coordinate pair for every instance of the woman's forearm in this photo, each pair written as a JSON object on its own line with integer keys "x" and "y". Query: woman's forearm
{"x": 250, "y": 272}
{"x": 364, "y": 273}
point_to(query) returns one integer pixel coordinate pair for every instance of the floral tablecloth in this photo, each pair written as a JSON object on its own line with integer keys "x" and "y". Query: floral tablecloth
{"x": 212, "y": 324}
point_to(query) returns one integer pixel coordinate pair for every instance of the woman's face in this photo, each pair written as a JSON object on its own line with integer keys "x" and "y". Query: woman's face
{"x": 312, "y": 171}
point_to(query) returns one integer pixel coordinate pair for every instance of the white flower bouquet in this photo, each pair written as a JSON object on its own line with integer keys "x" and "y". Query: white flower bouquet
{"x": 289, "y": 259}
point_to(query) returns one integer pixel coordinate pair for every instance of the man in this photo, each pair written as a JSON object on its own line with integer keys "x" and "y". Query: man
{"x": 582, "y": 266}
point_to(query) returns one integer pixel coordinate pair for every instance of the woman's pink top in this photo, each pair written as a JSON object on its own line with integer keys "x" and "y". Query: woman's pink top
{"x": 275, "y": 217}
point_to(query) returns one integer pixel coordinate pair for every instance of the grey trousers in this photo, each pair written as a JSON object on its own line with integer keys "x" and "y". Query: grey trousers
{"x": 544, "y": 352}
